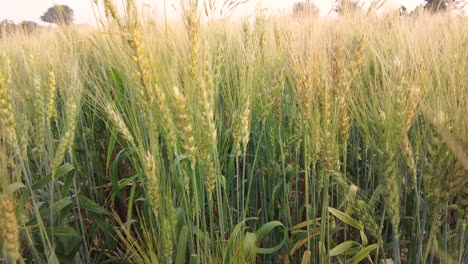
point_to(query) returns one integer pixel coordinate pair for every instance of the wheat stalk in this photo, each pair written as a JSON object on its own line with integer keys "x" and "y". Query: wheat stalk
{"x": 7, "y": 118}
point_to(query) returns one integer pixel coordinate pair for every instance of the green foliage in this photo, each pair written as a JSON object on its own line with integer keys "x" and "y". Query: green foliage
{"x": 266, "y": 141}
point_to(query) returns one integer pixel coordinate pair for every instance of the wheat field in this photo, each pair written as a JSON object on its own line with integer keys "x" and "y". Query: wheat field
{"x": 279, "y": 139}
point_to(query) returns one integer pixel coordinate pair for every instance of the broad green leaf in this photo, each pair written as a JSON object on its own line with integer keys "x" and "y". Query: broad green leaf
{"x": 12, "y": 188}
{"x": 346, "y": 218}
{"x": 279, "y": 188}
{"x": 352, "y": 251}
{"x": 92, "y": 206}
{"x": 343, "y": 247}
{"x": 126, "y": 181}
{"x": 249, "y": 242}
{"x": 114, "y": 177}
{"x": 52, "y": 259}
{"x": 363, "y": 238}
{"x": 230, "y": 172}
{"x": 194, "y": 259}
{"x": 131, "y": 201}
{"x": 267, "y": 228}
{"x": 232, "y": 238}
{"x": 182, "y": 246}
{"x": 63, "y": 231}
{"x": 68, "y": 182}
{"x": 362, "y": 254}
{"x": 104, "y": 225}
{"x": 60, "y": 172}
{"x": 119, "y": 85}
{"x": 110, "y": 148}
{"x": 59, "y": 205}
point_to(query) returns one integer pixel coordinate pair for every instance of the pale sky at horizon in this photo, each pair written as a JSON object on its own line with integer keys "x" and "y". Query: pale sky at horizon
{"x": 31, "y": 10}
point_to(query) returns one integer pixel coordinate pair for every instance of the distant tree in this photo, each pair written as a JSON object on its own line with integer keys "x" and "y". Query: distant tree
{"x": 444, "y": 5}
{"x": 436, "y": 5}
{"x": 305, "y": 8}
{"x": 403, "y": 11}
{"x": 417, "y": 11}
{"x": 58, "y": 14}
{"x": 347, "y": 6}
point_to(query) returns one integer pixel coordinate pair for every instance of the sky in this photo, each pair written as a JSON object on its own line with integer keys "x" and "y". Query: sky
{"x": 31, "y": 10}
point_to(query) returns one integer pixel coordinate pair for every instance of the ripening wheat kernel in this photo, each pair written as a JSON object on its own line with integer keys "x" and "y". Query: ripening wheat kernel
{"x": 358, "y": 58}
{"x": 219, "y": 61}
{"x": 40, "y": 114}
{"x": 211, "y": 175}
{"x": 8, "y": 71}
{"x": 152, "y": 180}
{"x": 140, "y": 58}
{"x": 9, "y": 228}
{"x": 392, "y": 189}
{"x": 406, "y": 146}
{"x": 245, "y": 125}
{"x": 260, "y": 32}
{"x": 7, "y": 119}
{"x": 208, "y": 78}
{"x": 185, "y": 128}
{"x": 349, "y": 76}
{"x": 366, "y": 215}
{"x": 330, "y": 154}
{"x": 204, "y": 84}
{"x": 236, "y": 134}
{"x": 193, "y": 30}
{"x": 205, "y": 88}
{"x": 304, "y": 93}
{"x": 51, "y": 107}
{"x": 120, "y": 123}
{"x": 456, "y": 182}
{"x": 111, "y": 11}
{"x": 434, "y": 173}
{"x": 168, "y": 244}
{"x": 25, "y": 125}
{"x": 341, "y": 79}
{"x": 208, "y": 147}
{"x": 67, "y": 140}
{"x": 399, "y": 93}
{"x": 247, "y": 35}
{"x": 168, "y": 120}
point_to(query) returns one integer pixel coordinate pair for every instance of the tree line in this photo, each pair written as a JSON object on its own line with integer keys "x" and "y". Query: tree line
{"x": 57, "y": 14}
{"x": 348, "y": 6}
